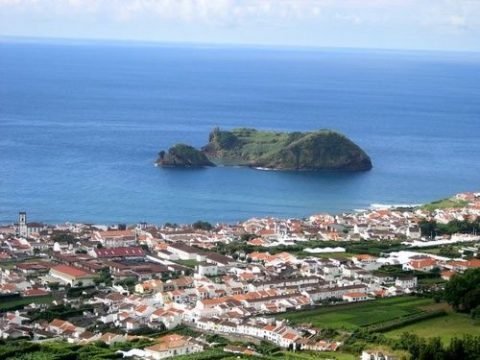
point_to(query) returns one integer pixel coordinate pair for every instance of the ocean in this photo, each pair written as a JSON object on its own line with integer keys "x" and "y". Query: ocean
{"x": 81, "y": 124}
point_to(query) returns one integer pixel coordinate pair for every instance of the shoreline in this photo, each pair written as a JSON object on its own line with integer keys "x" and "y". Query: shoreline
{"x": 372, "y": 207}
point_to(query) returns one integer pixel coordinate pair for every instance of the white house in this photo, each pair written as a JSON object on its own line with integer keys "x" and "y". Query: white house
{"x": 376, "y": 355}
{"x": 170, "y": 318}
{"x": 72, "y": 276}
{"x": 207, "y": 269}
{"x": 172, "y": 345}
{"x": 406, "y": 282}
{"x": 186, "y": 252}
{"x": 355, "y": 296}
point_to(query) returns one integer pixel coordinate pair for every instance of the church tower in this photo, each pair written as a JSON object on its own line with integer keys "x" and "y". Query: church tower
{"x": 22, "y": 224}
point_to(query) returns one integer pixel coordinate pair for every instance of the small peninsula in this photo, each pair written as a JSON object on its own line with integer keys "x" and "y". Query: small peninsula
{"x": 182, "y": 155}
{"x": 315, "y": 150}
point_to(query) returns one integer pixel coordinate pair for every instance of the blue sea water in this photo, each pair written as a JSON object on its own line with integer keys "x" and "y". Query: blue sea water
{"x": 81, "y": 125}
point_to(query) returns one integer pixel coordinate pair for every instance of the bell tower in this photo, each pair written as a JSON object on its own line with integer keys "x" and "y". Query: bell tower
{"x": 22, "y": 224}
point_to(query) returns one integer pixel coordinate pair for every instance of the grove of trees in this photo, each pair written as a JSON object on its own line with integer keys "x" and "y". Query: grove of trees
{"x": 433, "y": 229}
{"x": 463, "y": 291}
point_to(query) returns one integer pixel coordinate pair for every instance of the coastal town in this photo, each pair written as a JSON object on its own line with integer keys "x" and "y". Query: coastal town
{"x": 85, "y": 283}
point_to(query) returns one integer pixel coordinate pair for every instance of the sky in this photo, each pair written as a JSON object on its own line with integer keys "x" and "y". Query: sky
{"x": 390, "y": 24}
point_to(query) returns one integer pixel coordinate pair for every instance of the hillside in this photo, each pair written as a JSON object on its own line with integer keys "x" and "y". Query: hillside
{"x": 182, "y": 155}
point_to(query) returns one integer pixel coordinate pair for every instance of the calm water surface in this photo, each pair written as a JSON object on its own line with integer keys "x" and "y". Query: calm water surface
{"x": 81, "y": 124}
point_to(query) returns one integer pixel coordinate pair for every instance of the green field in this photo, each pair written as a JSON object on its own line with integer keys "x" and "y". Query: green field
{"x": 188, "y": 263}
{"x": 336, "y": 255}
{"x": 445, "y": 204}
{"x": 13, "y": 304}
{"x": 446, "y": 327}
{"x": 336, "y": 355}
{"x": 353, "y": 316}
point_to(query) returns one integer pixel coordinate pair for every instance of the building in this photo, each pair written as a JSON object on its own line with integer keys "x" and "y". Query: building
{"x": 172, "y": 345}
{"x": 422, "y": 264}
{"x": 132, "y": 252}
{"x": 72, "y": 276}
{"x": 377, "y": 355}
{"x": 24, "y": 229}
{"x": 355, "y": 296}
{"x": 116, "y": 238}
{"x": 22, "y": 224}
{"x": 186, "y": 252}
{"x": 206, "y": 269}
{"x": 406, "y": 282}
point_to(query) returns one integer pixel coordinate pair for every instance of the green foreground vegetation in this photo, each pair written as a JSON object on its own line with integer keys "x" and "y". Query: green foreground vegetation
{"x": 336, "y": 355}
{"x": 350, "y": 323}
{"x": 446, "y": 327}
{"x": 357, "y": 315}
{"x": 15, "y": 304}
{"x": 61, "y": 350}
{"x": 375, "y": 248}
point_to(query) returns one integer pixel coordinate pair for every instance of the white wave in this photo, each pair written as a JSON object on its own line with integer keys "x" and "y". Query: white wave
{"x": 377, "y": 206}
{"x": 265, "y": 169}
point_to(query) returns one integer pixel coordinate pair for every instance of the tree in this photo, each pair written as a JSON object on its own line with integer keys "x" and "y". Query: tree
{"x": 267, "y": 348}
{"x": 475, "y": 314}
{"x": 412, "y": 343}
{"x": 448, "y": 251}
{"x": 62, "y": 236}
{"x": 432, "y": 228}
{"x": 463, "y": 290}
{"x": 53, "y": 286}
{"x": 428, "y": 228}
{"x": 247, "y": 237}
{"x": 433, "y": 350}
{"x": 202, "y": 225}
{"x": 456, "y": 349}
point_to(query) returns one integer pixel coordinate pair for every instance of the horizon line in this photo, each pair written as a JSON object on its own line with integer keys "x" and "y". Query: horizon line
{"x": 77, "y": 41}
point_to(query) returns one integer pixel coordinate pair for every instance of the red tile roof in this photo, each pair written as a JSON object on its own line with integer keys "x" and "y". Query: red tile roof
{"x": 422, "y": 263}
{"x": 35, "y": 292}
{"x": 355, "y": 295}
{"x": 117, "y": 233}
{"x": 120, "y": 252}
{"x": 71, "y": 271}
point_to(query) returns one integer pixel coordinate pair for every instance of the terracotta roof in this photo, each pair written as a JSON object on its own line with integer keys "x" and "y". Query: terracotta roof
{"x": 71, "y": 271}
{"x": 361, "y": 257}
{"x": 447, "y": 274}
{"x": 35, "y": 292}
{"x": 290, "y": 336}
{"x": 355, "y": 294}
{"x": 120, "y": 252}
{"x": 57, "y": 322}
{"x": 421, "y": 263}
{"x": 474, "y": 263}
{"x": 117, "y": 233}
{"x": 168, "y": 342}
{"x": 34, "y": 266}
